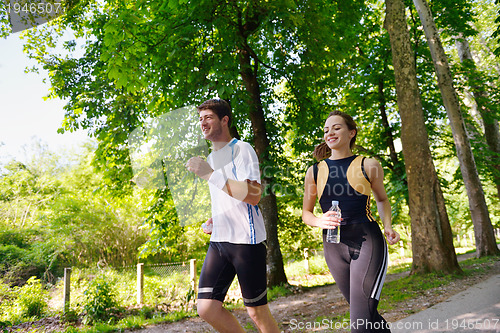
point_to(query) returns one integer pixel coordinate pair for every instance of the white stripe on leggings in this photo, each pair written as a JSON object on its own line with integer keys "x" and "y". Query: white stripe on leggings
{"x": 377, "y": 288}
{"x": 256, "y": 299}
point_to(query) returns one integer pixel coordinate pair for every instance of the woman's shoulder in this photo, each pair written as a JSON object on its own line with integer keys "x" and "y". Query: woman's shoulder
{"x": 312, "y": 170}
{"x": 370, "y": 161}
{"x": 372, "y": 167}
{"x": 312, "y": 167}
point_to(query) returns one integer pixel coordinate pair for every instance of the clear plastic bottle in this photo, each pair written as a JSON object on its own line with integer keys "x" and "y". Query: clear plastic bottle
{"x": 207, "y": 228}
{"x": 333, "y": 235}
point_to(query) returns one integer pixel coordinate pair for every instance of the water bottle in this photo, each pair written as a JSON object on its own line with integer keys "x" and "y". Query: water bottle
{"x": 333, "y": 235}
{"x": 207, "y": 228}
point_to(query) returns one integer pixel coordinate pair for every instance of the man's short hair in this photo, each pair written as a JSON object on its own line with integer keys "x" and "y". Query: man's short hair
{"x": 219, "y": 106}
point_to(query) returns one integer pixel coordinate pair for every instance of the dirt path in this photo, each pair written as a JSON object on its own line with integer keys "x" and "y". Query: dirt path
{"x": 325, "y": 303}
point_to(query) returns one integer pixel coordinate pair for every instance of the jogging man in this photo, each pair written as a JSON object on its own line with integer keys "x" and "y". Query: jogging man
{"x": 237, "y": 243}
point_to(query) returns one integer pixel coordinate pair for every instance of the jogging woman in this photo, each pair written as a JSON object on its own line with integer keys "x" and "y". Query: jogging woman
{"x": 359, "y": 262}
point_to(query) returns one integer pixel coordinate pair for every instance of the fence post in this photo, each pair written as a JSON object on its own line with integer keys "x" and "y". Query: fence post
{"x": 67, "y": 288}
{"x": 140, "y": 283}
{"x": 306, "y": 258}
{"x": 192, "y": 271}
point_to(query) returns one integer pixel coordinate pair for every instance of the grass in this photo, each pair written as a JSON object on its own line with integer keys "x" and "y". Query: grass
{"x": 412, "y": 286}
{"x": 317, "y": 274}
{"x": 338, "y": 318}
{"x": 399, "y": 267}
{"x": 131, "y": 322}
{"x": 249, "y": 327}
{"x": 278, "y": 291}
{"x": 476, "y": 261}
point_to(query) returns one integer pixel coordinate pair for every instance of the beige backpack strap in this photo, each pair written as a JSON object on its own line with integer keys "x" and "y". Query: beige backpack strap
{"x": 322, "y": 177}
{"x": 357, "y": 178}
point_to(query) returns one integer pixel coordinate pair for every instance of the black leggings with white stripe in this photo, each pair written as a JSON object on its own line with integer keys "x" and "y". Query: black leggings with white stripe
{"x": 359, "y": 264}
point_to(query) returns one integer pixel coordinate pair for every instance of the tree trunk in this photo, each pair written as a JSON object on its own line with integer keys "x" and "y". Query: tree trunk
{"x": 483, "y": 229}
{"x": 432, "y": 240}
{"x": 488, "y": 123}
{"x": 268, "y": 204}
{"x": 389, "y": 138}
{"x": 397, "y": 165}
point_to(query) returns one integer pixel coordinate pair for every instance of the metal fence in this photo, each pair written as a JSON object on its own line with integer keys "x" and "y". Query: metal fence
{"x": 168, "y": 269}
{"x": 165, "y": 284}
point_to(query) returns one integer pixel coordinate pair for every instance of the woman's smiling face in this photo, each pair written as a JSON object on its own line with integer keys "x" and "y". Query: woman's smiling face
{"x": 336, "y": 132}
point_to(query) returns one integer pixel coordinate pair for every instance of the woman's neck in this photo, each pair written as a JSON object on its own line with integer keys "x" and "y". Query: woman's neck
{"x": 339, "y": 154}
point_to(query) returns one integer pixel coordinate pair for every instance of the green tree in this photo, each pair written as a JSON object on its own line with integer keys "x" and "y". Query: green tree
{"x": 283, "y": 65}
{"x": 4, "y": 21}
{"x": 432, "y": 240}
{"x": 485, "y": 239}
{"x": 497, "y": 31}
{"x": 54, "y": 214}
{"x": 145, "y": 58}
{"x": 480, "y": 83}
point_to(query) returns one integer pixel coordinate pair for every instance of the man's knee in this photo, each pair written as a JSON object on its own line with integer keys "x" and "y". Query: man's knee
{"x": 208, "y": 308}
{"x": 258, "y": 313}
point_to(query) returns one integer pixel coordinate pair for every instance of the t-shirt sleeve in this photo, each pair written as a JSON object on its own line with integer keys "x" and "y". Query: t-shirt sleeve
{"x": 247, "y": 163}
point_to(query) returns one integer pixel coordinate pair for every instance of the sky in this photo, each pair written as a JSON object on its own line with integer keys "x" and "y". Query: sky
{"x": 24, "y": 116}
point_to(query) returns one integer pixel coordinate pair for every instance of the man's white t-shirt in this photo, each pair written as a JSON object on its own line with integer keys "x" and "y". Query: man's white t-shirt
{"x": 235, "y": 221}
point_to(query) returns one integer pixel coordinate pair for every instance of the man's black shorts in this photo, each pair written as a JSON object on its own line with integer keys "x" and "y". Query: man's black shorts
{"x": 224, "y": 261}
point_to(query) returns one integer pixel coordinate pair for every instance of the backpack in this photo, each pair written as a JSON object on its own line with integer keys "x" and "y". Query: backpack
{"x": 362, "y": 185}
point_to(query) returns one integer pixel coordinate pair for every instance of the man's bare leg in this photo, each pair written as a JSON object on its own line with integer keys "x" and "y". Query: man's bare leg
{"x": 218, "y": 317}
{"x": 263, "y": 318}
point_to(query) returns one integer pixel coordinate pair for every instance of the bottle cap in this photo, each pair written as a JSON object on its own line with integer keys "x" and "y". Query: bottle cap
{"x": 335, "y": 202}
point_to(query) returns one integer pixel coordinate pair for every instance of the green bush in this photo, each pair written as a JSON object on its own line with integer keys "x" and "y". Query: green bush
{"x": 5, "y": 291}
{"x": 69, "y": 316}
{"x": 32, "y": 299}
{"x": 10, "y": 255}
{"x": 171, "y": 291}
{"x": 294, "y": 235}
{"x": 99, "y": 300}
{"x": 317, "y": 265}
{"x": 18, "y": 264}
{"x": 13, "y": 237}
{"x": 7, "y": 297}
